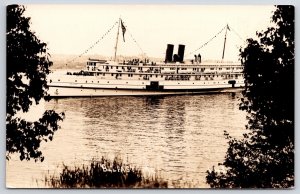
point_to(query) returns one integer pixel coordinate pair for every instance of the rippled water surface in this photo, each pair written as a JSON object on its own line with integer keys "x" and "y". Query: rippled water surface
{"x": 181, "y": 137}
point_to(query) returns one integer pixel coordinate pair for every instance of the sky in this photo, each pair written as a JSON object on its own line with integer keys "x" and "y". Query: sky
{"x": 73, "y": 29}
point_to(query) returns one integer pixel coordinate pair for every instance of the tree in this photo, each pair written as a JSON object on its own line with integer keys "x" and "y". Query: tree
{"x": 27, "y": 66}
{"x": 264, "y": 158}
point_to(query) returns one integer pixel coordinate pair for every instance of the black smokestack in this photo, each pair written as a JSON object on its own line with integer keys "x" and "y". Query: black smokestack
{"x": 181, "y": 52}
{"x": 169, "y": 53}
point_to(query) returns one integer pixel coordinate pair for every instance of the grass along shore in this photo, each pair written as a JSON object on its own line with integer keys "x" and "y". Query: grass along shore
{"x": 104, "y": 174}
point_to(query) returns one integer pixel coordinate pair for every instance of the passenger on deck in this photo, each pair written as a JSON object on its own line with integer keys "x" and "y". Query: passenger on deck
{"x": 199, "y": 58}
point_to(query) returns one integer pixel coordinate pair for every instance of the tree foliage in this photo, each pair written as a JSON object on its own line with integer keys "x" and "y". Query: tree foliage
{"x": 264, "y": 158}
{"x": 27, "y": 67}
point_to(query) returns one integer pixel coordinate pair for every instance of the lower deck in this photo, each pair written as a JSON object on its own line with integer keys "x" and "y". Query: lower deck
{"x": 79, "y": 85}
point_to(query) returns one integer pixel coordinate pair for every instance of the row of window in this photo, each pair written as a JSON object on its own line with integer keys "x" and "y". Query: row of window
{"x": 131, "y": 75}
{"x": 173, "y": 68}
{"x": 143, "y": 82}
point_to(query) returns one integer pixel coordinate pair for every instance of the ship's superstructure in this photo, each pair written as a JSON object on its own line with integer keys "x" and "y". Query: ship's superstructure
{"x": 174, "y": 75}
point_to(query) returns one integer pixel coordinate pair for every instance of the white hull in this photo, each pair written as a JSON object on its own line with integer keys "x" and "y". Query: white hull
{"x": 92, "y": 92}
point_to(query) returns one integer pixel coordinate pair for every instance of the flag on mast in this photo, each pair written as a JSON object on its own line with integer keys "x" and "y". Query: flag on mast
{"x": 123, "y": 30}
{"x": 228, "y": 27}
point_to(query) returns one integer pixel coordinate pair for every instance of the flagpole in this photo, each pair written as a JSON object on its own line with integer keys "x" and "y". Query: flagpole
{"x": 117, "y": 39}
{"x": 224, "y": 42}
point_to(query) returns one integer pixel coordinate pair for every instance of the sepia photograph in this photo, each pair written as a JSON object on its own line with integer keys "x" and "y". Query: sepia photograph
{"x": 150, "y": 96}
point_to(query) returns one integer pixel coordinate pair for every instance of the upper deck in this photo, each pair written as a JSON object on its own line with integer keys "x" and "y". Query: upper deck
{"x": 136, "y": 66}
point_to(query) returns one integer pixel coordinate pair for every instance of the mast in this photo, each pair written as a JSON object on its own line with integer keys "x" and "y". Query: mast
{"x": 224, "y": 41}
{"x": 117, "y": 39}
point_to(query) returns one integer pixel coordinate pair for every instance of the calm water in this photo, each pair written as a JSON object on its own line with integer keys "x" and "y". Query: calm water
{"x": 181, "y": 137}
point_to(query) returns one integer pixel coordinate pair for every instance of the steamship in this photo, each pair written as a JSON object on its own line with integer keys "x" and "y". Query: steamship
{"x": 174, "y": 75}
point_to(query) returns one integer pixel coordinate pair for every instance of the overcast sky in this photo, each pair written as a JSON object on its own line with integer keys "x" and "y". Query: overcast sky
{"x": 71, "y": 29}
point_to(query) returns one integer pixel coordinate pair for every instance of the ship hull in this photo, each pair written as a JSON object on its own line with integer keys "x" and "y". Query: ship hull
{"x": 61, "y": 92}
